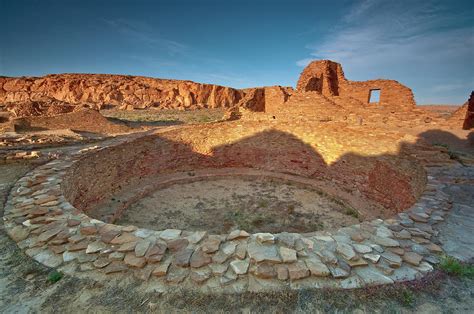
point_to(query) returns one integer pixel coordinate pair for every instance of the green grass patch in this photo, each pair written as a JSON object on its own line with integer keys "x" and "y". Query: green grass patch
{"x": 454, "y": 267}
{"x": 351, "y": 212}
{"x": 54, "y": 276}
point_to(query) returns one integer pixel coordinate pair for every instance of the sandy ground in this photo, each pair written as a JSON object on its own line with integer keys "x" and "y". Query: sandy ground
{"x": 221, "y": 205}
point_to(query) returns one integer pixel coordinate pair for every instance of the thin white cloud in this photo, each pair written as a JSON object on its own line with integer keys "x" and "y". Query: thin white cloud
{"x": 424, "y": 45}
{"x": 141, "y": 32}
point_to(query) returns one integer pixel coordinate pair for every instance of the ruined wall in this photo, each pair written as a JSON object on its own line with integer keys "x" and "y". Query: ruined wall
{"x": 327, "y": 78}
{"x": 346, "y": 159}
{"x": 469, "y": 119}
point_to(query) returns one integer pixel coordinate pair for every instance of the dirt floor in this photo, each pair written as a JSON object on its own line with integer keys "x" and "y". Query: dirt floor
{"x": 251, "y": 204}
{"x": 165, "y": 117}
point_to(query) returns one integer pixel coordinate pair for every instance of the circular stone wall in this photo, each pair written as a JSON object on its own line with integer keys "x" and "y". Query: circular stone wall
{"x": 373, "y": 186}
{"x": 47, "y": 210}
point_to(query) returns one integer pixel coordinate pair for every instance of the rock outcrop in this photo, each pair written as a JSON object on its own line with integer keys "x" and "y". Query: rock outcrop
{"x": 126, "y": 92}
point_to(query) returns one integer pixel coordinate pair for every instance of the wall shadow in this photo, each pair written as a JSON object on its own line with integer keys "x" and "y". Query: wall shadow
{"x": 394, "y": 181}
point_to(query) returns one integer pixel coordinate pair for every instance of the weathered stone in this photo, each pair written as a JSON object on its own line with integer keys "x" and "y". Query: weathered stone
{"x": 73, "y": 222}
{"x": 374, "y": 258}
{"x": 88, "y": 230}
{"x": 412, "y": 258}
{"x": 388, "y": 271}
{"x": 95, "y": 247}
{"x": 228, "y": 277}
{"x": 346, "y": 251}
{"x": 144, "y": 233}
{"x": 434, "y": 248}
{"x": 200, "y": 275}
{"x": 177, "y": 244}
{"x": 176, "y": 274}
{"x": 142, "y": 247}
{"x": 183, "y": 257}
{"x": 241, "y": 250}
{"x": 159, "y": 248}
{"x": 338, "y": 272}
{"x": 170, "y": 234}
{"x": 48, "y": 258}
{"x": 357, "y": 236}
{"x": 196, "y": 237}
{"x": 357, "y": 262}
{"x": 282, "y": 272}
{"x": 161, "y": 269}
{"x": 144, "y": 273}
{"x": 377, "y": 248}
{"x": 77, "y": 246}
{"x": 124, "y": 238}
{"x": 229, "y": 248}
{"x": 133, "y": 261}
{"x": 18, "y": 233}
{"x": 261, "y": 253}
{"x": 237, "y": 234}
{"x": 117, "y": 256}
{"x": 393, "y": 260}
{"x": 211, "y": 244}
{"x": 130, "y": 228}
{"x": 218, "y": 269}
{"x": 397, "y": 250}
{"x": 108, "y": 236}
{"x": 115, "y": 267}
{"x": 288, "y": 255}
{"x": 101, "y": 262}
{"x": 418, "y": 217}
{"x": 317, "y": 268}
{"x": 265, "y": 270}
{"x": 240, "y": 267}
{"x": 57, "y": 249}
{"x": 361, "y": 248}
{"x": 48, "y": 235}
{"x": 69, "y": 256}
{"x": 200, "y": 259}
{"x": 298, "y": 270}
{"x": 372, "y": 277}
{"x": 403, "y": 234}
{"x": 265, "y": 237}
{"x": 385, "y": 241}
{"x": 127, "y": 247}
{"x": 327, "y": 256}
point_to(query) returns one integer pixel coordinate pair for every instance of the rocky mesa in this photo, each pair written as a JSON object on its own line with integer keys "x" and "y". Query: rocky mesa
{"x": 122, "y": 91}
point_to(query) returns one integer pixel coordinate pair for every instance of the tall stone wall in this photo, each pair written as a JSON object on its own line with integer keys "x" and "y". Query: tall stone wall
{"x": 469, "y": 119}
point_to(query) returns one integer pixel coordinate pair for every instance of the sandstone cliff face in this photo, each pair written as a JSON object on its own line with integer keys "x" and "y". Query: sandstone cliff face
{"x": 126, "y": 92}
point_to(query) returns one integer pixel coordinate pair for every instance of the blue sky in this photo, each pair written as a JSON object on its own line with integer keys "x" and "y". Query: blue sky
{"x": 427, "y": 45}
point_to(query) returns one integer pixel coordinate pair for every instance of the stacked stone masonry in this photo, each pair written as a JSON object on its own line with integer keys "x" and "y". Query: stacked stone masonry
{"x": 43, "y": 222}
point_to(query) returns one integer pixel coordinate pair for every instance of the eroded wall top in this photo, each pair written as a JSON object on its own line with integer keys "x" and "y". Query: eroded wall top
{"x": 327, "y": 78}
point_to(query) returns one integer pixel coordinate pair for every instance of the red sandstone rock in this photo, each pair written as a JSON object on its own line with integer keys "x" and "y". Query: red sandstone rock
{"x": 102, "y": 90}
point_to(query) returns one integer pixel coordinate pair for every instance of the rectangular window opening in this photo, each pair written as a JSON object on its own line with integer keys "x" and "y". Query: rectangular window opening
{"x": 374, "y": 96}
